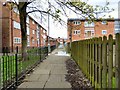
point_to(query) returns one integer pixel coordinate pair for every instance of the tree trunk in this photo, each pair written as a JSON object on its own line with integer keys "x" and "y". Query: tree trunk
{"x": 22, "y": 15}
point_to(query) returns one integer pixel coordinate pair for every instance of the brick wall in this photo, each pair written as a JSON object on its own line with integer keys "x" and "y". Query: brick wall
{"x": 33, "y": 34}
{"x": 95, "y": 30}
{"x": 5, "y": 26}
{"x": 0, "y": 27}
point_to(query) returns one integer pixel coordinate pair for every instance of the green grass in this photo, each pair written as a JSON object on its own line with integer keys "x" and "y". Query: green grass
{"x": 8, "y": 65}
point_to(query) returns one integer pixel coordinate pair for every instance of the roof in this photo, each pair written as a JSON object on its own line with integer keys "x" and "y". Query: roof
{"x": 80, "y": 19}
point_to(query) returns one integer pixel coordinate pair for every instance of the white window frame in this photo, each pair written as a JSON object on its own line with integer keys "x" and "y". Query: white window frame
{"x": 28, "y": 41}
{"x": 16, "y": 25}
{"x": 76, "y": 32}
{"x": 33, "y": 41}
{"x": 104, "y": 22}
{"x": 28, "y": 30}
{"x": 15, "y": 10}
{"x": 103, "y": 32}
{"x": 27, "y": 19}
{"x": 33, "y": 31}
{"x": 17, "y": 40}
{"x": 33, "y": 22}
{"x": 92, "y": 32}
{"x": 86, "y": 24}
{"x": 77, "y": 22}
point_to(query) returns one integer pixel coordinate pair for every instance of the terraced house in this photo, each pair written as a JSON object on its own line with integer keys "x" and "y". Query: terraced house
{"x": 11, "y": 33}
{"x": 79, "y": 29}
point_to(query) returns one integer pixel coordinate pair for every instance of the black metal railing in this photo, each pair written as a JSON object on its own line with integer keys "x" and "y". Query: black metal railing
{"x": 13, "y": 68}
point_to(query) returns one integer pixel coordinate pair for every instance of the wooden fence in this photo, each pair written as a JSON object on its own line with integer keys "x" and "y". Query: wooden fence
{"x": 99, "y": 59}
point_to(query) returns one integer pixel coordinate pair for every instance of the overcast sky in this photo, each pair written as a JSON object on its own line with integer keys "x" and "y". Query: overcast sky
{"x": 57, "y": 30}
{"x": 60, "y": 31}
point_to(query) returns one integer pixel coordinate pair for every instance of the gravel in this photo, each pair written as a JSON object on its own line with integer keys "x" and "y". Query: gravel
{"x": 76, "y": 77}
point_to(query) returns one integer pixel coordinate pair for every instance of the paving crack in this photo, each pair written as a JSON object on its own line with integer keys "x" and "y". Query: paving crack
{"x": 47, "y": 80}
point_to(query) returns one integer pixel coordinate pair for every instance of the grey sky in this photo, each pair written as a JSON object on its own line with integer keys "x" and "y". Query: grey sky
{"x": 57, "y": 30}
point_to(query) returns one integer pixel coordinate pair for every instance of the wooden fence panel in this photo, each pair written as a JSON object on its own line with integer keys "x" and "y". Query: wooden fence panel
{"x": 110, "y": 61}
{"x": 117, "y": 61}
{"x": 104, "y": 62}
{"x": 100, "y": 61}
{"x": 98, "y": 54}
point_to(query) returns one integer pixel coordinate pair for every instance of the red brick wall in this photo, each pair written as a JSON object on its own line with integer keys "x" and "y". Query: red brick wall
{"x": 97, "y": 29}
{"x": 33, "y": 36}
{"x": 1, "y": 26}
{"x": 5, "y": 26}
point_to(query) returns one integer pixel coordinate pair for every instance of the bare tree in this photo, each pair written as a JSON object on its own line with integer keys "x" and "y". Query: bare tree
{"x": 81, "y": 8}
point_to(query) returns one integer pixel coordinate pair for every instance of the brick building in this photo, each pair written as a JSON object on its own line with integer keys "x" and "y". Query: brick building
{"x": 80, "y": 29}
{"x": 0, "y": 26}
{"x": 11, "y": 33}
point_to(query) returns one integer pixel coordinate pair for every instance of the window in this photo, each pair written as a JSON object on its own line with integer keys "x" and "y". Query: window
{"x": 37, "y": 33}
{"x": 28, "y": 41}
{"x": 15, "y": 10}
{"x": 104, "y": 22}
{"x": 28, "y": 31}
{"x": 33, "y": 22}
{"x": 33, "y": 41}
{"x": 17, "y": 40}
{"x": 89, "y": 33}
{"x": 77, "y": 22}
{"x": 88, "y": 24}
{"x": 27, "y": 19}
{"x": 38, "y": 27}
{"x": 16, "y": 25}
{"x": 76, "y": 32}
{"x": 38, "y": 41}
{"x": 44, "y": 31}
{"x": 104, "y": 32}
{"x": 33, "y": 31}
{"x": 117, "y": 30}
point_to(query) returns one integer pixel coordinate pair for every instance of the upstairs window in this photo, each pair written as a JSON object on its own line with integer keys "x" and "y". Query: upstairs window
{"x": 76, "y": 32}
{"x": 15, "y": 10}
{"x": 17, "y": 40}
{"x": 104, "y": 32}
{"x": 16, "y": 25}
{"x": 104, "y": 22}
{"x": 33, "y": 22}
{"x": 28, "y": 41}
{"x": 33, "y": 31}
{"x": 28, "y": 31}
{"x": 77, "y": 22}
{"x": 88, "y": 24}
{"x": 33, "y": 41}
{"x": 27, "y": 19}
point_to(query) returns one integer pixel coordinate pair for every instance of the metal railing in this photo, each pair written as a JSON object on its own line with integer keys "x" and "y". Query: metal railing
{"x": 13, "y": 68}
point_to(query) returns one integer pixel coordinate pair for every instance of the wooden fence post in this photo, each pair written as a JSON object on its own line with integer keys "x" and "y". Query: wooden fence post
{"x": 104, "y": 62}
{"x": 117, "y": 61}
{"x": 90, "y": 59}
{"x": 87, "y": 45}
{"x": 100, "y": 61}
{"x": 85, "y": 57}
{"x": 79, "y": 52}
{"x": 110, "y": 61}
{"x": 96, "y": 62}
{"x": 93, "y": 62}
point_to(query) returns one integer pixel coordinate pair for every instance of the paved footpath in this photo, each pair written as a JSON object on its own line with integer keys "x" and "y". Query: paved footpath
{"x": 50, "y": 73}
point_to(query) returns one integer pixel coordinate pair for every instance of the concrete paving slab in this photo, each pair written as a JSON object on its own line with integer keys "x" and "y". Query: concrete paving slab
{"x": 58, "y": 85}
{"x": 57, "y": 78}
{"x": 49, "y": 74}
{"x": 56, "y": 71}
{"x": 32, "y": 85}
{"x": 32, "y": 78}
{"x": 43, "y": 77}
{"x": 41, "y": 71}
